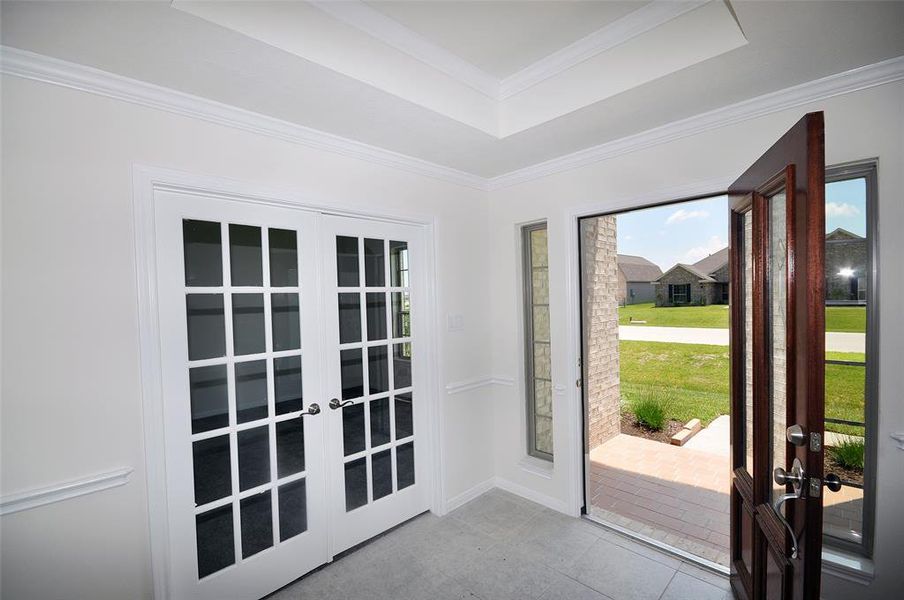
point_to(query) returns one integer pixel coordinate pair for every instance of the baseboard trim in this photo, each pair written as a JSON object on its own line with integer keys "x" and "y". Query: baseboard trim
{"x": 18, "y": 502}
{"x": 469, "y": 494}
{"x": 533, "y": 495}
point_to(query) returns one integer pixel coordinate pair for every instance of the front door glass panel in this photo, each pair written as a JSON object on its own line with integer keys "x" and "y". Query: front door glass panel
{"x": 777, "y": 302}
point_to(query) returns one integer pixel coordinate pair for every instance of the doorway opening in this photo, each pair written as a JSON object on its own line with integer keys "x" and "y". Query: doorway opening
{"x": 656, "y": 373}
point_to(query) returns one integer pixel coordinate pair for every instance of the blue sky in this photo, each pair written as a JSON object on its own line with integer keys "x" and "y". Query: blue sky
{"x": 689, "y": 231}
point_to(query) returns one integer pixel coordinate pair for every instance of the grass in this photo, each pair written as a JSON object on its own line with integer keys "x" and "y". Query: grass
{"x": 650, "y": 409}
{"x": 715, "y": 316}
{"x": 848, "y": 454}
{"x": 695, "y": 377}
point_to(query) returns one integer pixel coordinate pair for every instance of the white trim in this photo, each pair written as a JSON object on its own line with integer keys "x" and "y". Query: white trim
{"x": 13, "y": 503}
{"x": 534, "y": 496}
{"x": 537, "y": 466}
{"x": 145, "y": 181}
{"x": 391, "y": 32}
{"x": 466, "y": 496}
{"x": 466, "y": 385}
{"x": 861, "y": 78}
{"x": 29, "y": 65}
{"x": 37, "y": 67}
{"x": 635, "y": 23}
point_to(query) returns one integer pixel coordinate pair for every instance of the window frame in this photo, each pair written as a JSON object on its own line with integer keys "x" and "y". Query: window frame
{"x": 867, "y": 170}
{"x": 527, "y": 268}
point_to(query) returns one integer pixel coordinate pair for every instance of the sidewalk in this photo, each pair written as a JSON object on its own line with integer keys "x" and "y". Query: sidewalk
{"x": 835, "y": 341}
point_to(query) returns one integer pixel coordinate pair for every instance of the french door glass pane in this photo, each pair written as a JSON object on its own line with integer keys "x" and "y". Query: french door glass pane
{"x": 379, "y": 422}
{"x": 353, "y": 428}
{"x": 286, "y": 325}
{"x": 401, "y": 309}
{"x": 212, "y": 469}
{"x": 209, "y": 398}
{"x": 248, "y": 323}
{"x": 398, "y": 263}
{"x": 245, "y": 255}
{"x": 283, "y": 258}
{"x": 352, "y": 373}
{"x": 349, "y": 318}
{"x": 403, "y": 416}
{"x": 381, "y": 465}
{"x": 378, "y": 369}
{"x": 203, "y": 252}
{"x": 293, "y": 509}
{"x": 401, "y": 365}
{"x": 405, "y": 465}
{"x": 290, "y": 447}
{"x": 376, "y": 316}
{"x": 288, "y": 388}
{"x": 206, "y": 326}
{"x": 254, "y": 457}
{"x": 257, "y": 523}
{"x": 355, "y": 483}
{"x": 374, "y": 263}
{"x": 347, "y": 261}
{"x": 777, "y": 307}
{"x": 216, "y": 549}
{"x": 250, "y": 390}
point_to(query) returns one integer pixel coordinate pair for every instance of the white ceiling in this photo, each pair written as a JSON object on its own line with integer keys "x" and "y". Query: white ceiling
{"x": 788, "y": 43}
{"x": 502, "y": 38}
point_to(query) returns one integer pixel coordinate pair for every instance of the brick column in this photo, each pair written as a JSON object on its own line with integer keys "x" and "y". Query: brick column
{"x": 599, "y": 278}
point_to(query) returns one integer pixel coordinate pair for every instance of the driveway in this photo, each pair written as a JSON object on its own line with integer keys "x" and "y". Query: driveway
{"x": 835, "y": 341}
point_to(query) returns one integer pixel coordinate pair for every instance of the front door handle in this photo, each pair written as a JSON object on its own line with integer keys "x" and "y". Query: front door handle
{"x": 796, "y": 479}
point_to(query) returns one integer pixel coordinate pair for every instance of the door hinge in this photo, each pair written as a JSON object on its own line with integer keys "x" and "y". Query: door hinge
{"x": 815, "y": 442}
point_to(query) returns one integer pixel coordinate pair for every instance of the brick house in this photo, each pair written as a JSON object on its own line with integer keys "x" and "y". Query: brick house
{"x": 704, "y": 282}
{"x": 635, "y": 279}
{"x": 846, "y": 268}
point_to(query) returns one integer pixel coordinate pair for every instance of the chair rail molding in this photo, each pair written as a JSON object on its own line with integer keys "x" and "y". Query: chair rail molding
{"x": 466, "y": 385}
{"x": 13, "y": 503}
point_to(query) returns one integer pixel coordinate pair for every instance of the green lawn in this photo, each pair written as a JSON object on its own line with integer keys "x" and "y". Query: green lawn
{"x": 695, "y": 377}
{"x": 838, "y": 318}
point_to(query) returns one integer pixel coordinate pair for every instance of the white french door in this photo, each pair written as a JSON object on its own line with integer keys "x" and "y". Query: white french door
{"x": 372, "y": 280}
{"x": 261, "y": 324}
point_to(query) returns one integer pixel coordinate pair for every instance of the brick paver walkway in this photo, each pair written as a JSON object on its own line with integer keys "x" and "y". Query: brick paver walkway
{"x": 675, "y": 495}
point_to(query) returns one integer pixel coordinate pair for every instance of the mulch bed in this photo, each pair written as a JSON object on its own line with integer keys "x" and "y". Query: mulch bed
{"x": 846, "y": 474}
{"x": 628, "y": 426}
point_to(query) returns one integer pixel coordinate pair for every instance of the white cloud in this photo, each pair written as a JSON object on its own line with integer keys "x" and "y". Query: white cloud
{"x": 714, "y": 244}
{"x": 841, "y": 209}
{"x": 683, "y": 215}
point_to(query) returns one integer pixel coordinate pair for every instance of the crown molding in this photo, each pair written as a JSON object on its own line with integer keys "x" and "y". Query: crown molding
{"x": 635, "y": 23}
{"x": 37, "y": 67}
{"x": 14, "y": 503}
{"x": 28, "y": 65}
{"x": 861, "y": 78}
{"x": 391, "y": 32}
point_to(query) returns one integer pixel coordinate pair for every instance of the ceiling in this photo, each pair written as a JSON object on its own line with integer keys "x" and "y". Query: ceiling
{"x": 784, "y": 44}
{"x": 502, "y": 38}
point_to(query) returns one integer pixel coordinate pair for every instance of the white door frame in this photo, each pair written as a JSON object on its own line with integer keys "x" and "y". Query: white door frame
{"x": 146, "y": 180}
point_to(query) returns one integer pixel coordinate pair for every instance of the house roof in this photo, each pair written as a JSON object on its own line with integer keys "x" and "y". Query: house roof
{"x": 690, "y": 269}
{"x": 840, "y": 234}
{"x": 713, "y": 262}
{"x": 637, "y": 268}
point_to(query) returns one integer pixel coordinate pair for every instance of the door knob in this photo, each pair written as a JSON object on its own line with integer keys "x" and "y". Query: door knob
{"x": 833, "y": 482}
{"x": 336, "y": 403}
{"x": 782, "y": 477}
{"x": 313, "y": 409}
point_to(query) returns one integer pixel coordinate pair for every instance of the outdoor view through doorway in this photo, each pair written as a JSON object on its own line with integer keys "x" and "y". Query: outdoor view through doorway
{"x": 655, "y": 317}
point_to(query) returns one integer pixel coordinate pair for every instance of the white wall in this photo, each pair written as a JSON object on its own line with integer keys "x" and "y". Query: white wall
{"x": 70, "y": 389}
{"x": 860, "y": 125}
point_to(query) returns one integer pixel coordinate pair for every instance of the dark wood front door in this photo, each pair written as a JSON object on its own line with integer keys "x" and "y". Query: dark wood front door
{"x": 777, "y": 372}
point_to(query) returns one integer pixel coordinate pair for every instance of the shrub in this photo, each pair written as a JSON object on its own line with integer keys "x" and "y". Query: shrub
{"x": 848, "y": 454}
{"x": 650, "y": 409}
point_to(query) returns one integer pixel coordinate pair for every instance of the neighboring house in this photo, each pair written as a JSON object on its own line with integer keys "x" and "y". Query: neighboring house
{"x": 704, "y": 282}
{"x": 635, "y": 279}
{"x": 846, "y": 268}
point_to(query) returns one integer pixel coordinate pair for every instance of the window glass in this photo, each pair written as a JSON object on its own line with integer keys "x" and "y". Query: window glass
{"x": 538, "y": 355}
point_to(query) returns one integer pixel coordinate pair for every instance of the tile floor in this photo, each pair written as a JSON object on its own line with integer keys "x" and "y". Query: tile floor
{"x": 500, "y": 547}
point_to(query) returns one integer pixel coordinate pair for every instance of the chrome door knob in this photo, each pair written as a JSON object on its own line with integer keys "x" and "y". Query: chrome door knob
{"x": 782, "y": 477}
